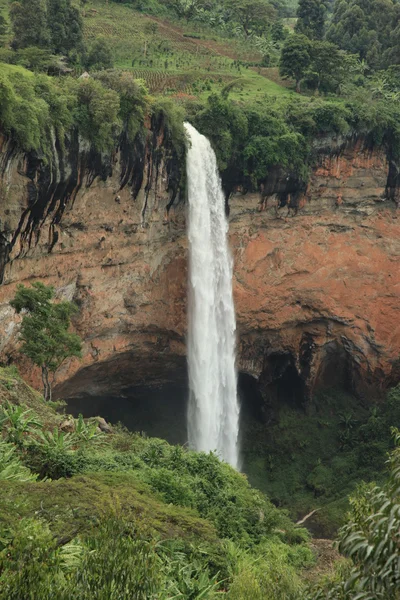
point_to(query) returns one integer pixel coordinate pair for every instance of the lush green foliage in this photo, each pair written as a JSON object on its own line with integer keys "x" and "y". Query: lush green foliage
{"x": 296, "y": 58}
{"x": 29, "y": 107}
{"x": 100, "y": 107}
{"x": 96, "y": 112}
{"x": 29, "y": 23}
{"x": 52, "y": 24}
{"x": 311, "y": 19}
{"x": 99, "y": 56}
{"x": 120, "y": 532}
{"x": 252, "y": 15}
{"x": 132, "y": 97}
{"x": 172, "y": 117}
{"x": 116, "y": 102}
{"x": 251, "y": 140}
{"x": 254, "y": 138}
{"x": 11, "y": 467}
{"x": 46, "y": 340}
{"x": 65, "y": 27}
{"x": 368, "y": 28}
{"x": 337, "y": 443}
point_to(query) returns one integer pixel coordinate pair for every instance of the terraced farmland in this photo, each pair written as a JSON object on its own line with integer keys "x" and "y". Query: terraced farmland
{"x": 169, "y": 60}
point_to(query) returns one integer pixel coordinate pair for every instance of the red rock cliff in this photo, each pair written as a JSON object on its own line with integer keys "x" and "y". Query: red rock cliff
{"x": 317, "y": 278}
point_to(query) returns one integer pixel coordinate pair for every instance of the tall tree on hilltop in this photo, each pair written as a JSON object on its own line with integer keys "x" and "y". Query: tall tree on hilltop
{"x": 328, "y": 66}
{"x": 296, "y": 58}
{"x": 29, "y": 23}
{"x": 252, "y": 15}
{"x": 311, "y": 19}
{"x": 65, "y": 26}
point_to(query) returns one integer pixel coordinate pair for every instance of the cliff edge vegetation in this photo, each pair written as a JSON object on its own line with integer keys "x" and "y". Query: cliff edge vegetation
{"x": 231, "y": 69}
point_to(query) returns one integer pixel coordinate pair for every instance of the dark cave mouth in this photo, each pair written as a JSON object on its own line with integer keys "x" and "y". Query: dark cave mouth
{"x": 159, "y": 410}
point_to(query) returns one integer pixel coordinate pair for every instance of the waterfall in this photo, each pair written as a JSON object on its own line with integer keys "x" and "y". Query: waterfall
{"x": 213, "y": 412}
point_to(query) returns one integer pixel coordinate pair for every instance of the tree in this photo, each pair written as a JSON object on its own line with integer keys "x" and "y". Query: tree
{"x": 36, "y": 59}
{"x": 99, "y": 56}
{"x": 311, "y": 19}
{"x": 296, "y": 58}
{"x": 186, "y": 9}
{"x": 3, "y": 25}
{"x": 97, "y": 112}
{"x": 132, "y": 95}
{"x": 29, "y": 23}
{"x": 251, "y": 14}
{"x": 46, "y": 340}
{"x": 65, "y": 26}
{"x": 364, "y": 27}
{"x": 327, "y": 65}
{"x": 278, "y": 31}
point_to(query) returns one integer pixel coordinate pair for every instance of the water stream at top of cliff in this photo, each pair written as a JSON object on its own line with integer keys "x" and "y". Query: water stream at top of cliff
{"x": 213, "y": 411}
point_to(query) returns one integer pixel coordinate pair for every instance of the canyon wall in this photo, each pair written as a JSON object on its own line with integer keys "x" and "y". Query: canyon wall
{"x": 316, "y": 277}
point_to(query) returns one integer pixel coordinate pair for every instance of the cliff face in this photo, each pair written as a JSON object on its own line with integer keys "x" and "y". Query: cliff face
{"x": 317, "y": 278}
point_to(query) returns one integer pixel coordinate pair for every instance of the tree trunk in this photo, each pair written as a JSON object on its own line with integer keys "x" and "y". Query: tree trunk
{"x": 46, "y": 384}
{"x": 298, "y": 86}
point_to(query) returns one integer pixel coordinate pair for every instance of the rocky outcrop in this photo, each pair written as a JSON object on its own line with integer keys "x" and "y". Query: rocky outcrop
{"x": 317, "y": 278}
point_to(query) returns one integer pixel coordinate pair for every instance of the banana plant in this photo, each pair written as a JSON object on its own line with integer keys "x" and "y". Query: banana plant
{"x": 87, "y": 432}
{"x": 57, "y": 440}
{"x": 18, "y": 423}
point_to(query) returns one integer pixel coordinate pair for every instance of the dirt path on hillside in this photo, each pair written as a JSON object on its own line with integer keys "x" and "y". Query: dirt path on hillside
{"x": 326, "y": 557}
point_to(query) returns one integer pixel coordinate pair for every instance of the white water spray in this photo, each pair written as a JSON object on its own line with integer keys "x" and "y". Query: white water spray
{"x": 213, "y": 413}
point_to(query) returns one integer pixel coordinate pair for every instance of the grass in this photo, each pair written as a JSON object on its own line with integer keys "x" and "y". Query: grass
{"x": 14, "y": 389}
{"x": 79, "y": 504}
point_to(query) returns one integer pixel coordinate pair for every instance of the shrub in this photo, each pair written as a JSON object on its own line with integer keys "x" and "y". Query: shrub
{"x": 99, "y": 56}
{"x": 133, "y": 101}
{"x": 29, "y": 566}
{"x": 118, "y": 563}
{"x": 18, "y": 423}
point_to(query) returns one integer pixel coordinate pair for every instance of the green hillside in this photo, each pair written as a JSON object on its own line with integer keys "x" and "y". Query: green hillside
{"x": 116, "y": 515}
{"x": 177, "y": 60}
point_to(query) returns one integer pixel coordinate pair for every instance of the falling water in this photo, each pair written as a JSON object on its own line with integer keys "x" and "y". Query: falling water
{"x": 213, "y": 414}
